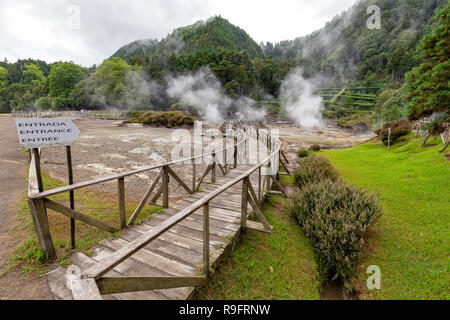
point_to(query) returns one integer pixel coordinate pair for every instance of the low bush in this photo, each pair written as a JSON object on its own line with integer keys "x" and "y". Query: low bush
{"x": 302, "y": 153}
{"x": 398, "y": 129}
{"x": 168, "y": 119}
{"x": 334, "y": 217}
{"x": 314, "y": 147}
{"x": 312, "y": 169}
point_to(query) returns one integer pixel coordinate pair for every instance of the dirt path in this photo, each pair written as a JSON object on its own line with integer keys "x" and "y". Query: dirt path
{"x": 12, "y": 189}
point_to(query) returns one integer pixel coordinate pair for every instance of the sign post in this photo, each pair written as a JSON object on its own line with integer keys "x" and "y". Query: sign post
{"x": 35, "y": 133}
{"x": 71, "y": 195}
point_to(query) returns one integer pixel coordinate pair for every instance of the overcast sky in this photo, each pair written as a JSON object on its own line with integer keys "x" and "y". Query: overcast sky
{"x": 89, "y": 31}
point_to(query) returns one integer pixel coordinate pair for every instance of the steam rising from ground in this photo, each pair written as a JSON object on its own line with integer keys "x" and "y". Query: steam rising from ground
{"x": 203, "y": 91}
{"x": 297, "y": 98}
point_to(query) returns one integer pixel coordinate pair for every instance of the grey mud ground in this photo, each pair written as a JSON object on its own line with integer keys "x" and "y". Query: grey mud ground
{"x": 13, "y": 186}
{"x": 103, "y": 149}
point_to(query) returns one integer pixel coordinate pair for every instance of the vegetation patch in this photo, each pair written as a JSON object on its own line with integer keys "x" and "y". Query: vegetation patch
{"x": 29, "y": 257}
{"x": 397, "y": 129}
{"x": 261, "y": 266}
{"x": 335, "y": 216}
{"x": 302, "y": 153}
{"x": 314, "y": 147}
{"x": 312, "y": 169}
{"x": 170, "y": 119}
{"x": 409, "y": 242}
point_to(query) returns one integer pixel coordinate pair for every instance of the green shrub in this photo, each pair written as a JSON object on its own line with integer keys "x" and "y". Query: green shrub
{"x": 302, "y": 153}
{"x": 44, "y": 103}
{"x": 169, "y": 119}
{"x": 334, "y": 217}
{"x": 398, "y": 129}
{"x": 312, "y": 169}
{"x": 315, "y": 147}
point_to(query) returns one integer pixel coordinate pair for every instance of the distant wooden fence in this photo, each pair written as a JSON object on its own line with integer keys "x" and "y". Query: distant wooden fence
{"x": 89, "y": 285}
{"x": 420, "y": 128}
{"x": 36, "y": 114}
{"x": 90, "y": 114}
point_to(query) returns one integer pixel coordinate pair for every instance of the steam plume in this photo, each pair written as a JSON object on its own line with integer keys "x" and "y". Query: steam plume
{"x": 203, "y": 91}
{"x": 297, "y": 99}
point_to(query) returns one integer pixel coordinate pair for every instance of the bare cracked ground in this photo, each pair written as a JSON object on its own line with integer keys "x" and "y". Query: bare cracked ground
{"x": 12, "y": 190}
{"x": 104, "y": 148}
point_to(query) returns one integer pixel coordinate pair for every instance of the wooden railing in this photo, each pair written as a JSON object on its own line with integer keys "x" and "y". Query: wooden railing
{"x": 92, "y": 283}
{"x": 36, "y": 114}
{"x": 420, "y": 126}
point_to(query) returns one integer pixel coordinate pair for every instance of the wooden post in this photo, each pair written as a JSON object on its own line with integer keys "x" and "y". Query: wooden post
{"x": 165, "y": 188}
{"x": 193, "y": 167}
{"x": 193, "y": 175}
{"x": 225, "y": 154}
{"x": 426, "y": 139}
{"x": 39, "y": 214}
{"x": 37, "y": 163}
{"x": 389, "y": 138}
{"x": 71, "y": 195}
{"x": 269, "y": 169}
{"x": 213, "y": 168}
{"x": 235, "y": 150}
{"x": 122, "y": 210}
{"x": 280, "y": 165}
{"x": 257, "y": 147}
{"x": 244, "y": 203}
{"x": 206, "y": 239}
{"x": 245, "y": 147}
{"x": 259, "y": 185}
{"x": 40, "y": 220}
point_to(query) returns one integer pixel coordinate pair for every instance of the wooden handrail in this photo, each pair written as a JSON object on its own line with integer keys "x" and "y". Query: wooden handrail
{"x": 110, "y": 262}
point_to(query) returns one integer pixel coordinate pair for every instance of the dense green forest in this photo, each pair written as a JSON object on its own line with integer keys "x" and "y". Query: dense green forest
{"x": 216, "y": 34}
{"x": 407, "y": 60}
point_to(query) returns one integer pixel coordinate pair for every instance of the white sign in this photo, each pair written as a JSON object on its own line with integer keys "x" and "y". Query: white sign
{"x": 46, "y": 132}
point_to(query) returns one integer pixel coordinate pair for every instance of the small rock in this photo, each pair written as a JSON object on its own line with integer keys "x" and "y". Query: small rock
{"x": 360, "y": 128}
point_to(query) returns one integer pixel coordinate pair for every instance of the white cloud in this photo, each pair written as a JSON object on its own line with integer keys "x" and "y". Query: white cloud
{"x": 41, "y": 29}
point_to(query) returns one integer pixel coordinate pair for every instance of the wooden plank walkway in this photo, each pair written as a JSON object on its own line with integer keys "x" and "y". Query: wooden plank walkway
{"x": 177, "y": 252}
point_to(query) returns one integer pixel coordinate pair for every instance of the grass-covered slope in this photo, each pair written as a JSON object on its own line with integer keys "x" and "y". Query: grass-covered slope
{"x": 410, "y": 242}
{"x": 279, "y": 266}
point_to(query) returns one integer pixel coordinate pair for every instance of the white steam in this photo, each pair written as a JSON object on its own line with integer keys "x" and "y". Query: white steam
{"x": 203, "y": 91}
{"x": 247, "y": 110}
{"x": 297, "y": 98}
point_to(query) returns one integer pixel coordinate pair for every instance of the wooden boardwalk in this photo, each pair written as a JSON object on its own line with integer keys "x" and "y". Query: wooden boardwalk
{"x": 170, "y": 254}
{"x": 177, "y": 252}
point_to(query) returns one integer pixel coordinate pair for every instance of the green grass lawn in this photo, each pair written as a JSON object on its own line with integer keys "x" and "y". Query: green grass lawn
{"x": 263, "y": 266}
{"x": 411, "y": 241}
{"x": 28, "y": 256}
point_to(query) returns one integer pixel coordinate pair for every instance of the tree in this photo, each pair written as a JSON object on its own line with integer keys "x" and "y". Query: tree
{"x": 63, "y": 77}
{"x": 3, "y": 77}
{"x": 33, "y": 75}
{"x": 236, "y": 65}
{"x": 427, "y": 86}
